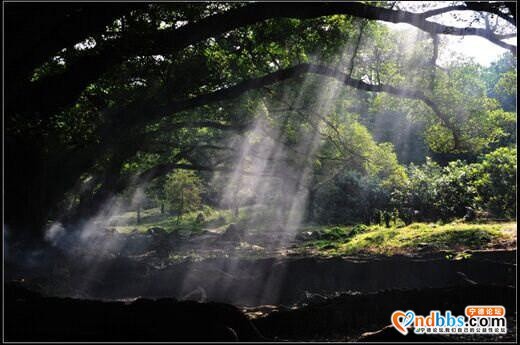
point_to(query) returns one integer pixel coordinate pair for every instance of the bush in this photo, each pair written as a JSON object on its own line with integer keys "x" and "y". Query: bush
{"x": 435, "y": 192}
{"x": 458, "y": 189}
{"x": 350, "y": 198}
{"x": 338, "y": 233}
{"x": 358, "y": 229}
{"x": 496, "y": 183}
{"x": 333, "y": 234}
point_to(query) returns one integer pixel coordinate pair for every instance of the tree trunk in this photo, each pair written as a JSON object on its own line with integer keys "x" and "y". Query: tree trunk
{"x": 310, "y": 202}
{"x": 181, "y": 207}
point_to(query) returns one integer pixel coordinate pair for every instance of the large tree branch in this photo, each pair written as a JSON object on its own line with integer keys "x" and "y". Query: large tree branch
{"x": 471, "y": 6}
{"x": 495, "y": 8}
{"x": 89, "y": 68}
{"x": 138, "y": 114}
{"x": 150, "y": 111}
{"x": 474, "y": 6}
{"x": 442, "y": 10}
{"x": 281, "y": 75}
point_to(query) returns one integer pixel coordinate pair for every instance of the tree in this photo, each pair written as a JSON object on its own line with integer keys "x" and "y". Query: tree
{"x": 500, "y": 79}
{"x": 354, "y": 176}
{"x": 156, "y": 192}
{"x": 164, "y": 79}
{"x": 183, "y": 189}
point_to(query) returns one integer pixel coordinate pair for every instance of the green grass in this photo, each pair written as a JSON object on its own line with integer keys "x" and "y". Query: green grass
{"x": 216, "y": 220}
{"x": 336, "y": 240}
{"x": 398, "y": 240}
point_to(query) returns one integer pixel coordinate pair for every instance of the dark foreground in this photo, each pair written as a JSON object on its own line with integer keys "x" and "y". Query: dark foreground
{"x": 337, "y": 299}
{"x": 258, "y": 281}
{"x": 32, "y": 317}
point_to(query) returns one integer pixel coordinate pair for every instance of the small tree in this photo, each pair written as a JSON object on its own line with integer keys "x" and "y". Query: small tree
{"x": 156, "y": 191}
{"x": 183, "y": 189}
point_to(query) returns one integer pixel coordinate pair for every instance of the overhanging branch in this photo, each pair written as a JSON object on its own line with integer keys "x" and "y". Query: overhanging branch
{"x": 291, "y": 72}
{"x": 89, "y": 68}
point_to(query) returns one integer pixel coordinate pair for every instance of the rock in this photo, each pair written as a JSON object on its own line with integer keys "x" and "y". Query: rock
{"x": 199, "y": 295}
{"x": 217, "y": 222}
{"x": 308, "y": 236}
{"x": 157, "y": 231}
{"x": 174, "y": 239}
{"x": 470, "y": 215}
{"x": 233, "y": 233}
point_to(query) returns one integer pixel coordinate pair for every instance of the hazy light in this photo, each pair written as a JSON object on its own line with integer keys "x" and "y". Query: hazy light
{"x": 480, "y": 49}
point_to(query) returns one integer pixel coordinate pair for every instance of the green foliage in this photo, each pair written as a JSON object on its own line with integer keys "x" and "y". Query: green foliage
{"x": 356, "y": 175}
{"x": 156, "y": 192}
{"x": 461, "y": 96}
{"x": 335, "y": 233}
{"x": 504, "y": 126}
{"x": 183, "y": 189}
{"x": 350, "y": 198}
{"x": 460, "y": 189}
{"x": 366, "y": 137}
{"x": 506, "y": 85}
{"x": 496, "y": 182}
{"x": 500, "y": 79}
{"x": 435, "y": 192}
{"x": 189, "y": 223}
{"x": 358, "y": 229}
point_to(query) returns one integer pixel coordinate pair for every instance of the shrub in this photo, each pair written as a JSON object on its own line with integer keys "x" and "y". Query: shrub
{"x": 496, "y": 183}
{"x": 442, "y": 193}
{"x": 350, "y": 198}
{"x": 358, "y": 229}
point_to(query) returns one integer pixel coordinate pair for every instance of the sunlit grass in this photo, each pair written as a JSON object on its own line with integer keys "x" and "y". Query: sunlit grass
{"x": 333, "y": 240}
{"x": 411, "y": 238}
